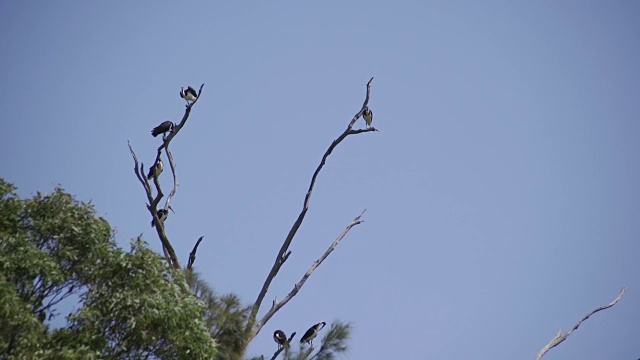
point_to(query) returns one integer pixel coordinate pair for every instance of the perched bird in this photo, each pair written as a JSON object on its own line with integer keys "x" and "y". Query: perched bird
{"x": 368, "y": 116}
{"x": 163, "y": 128}
{"x": 156, "y": 169}
{"x": 280, "y": 337}
{"x": 162, "y": 215}
{"x": 189, "y": 95}
{"x": 312, "y": 333}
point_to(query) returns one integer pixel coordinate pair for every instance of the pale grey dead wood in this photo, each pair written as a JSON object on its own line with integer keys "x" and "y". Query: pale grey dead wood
{"x": 249, "y": 329}
{"x": 560, "y": 337}
{"x": 277, "y": 305}
{"x": 167, "y": 248}
{"x": 154, "y": 201}
{"x": 172, "y": 164}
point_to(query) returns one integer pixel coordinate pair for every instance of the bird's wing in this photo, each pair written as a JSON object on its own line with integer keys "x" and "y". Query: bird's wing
{"x": 307, "y": 334}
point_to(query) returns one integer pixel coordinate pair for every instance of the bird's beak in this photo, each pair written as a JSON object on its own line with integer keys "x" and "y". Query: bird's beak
{"x": 170, "y": 208}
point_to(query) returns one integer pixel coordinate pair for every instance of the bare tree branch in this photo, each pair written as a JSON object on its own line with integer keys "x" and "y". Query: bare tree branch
{"x": 278, "y": 305}
{"x": 559, "y": 338}
{"x": 296, "y": 225}
{"x": 168, "y": 250}
{"x": 175, "y": 178}
{"x": 192, "y": 255}
{"x": 153, "y": 202}
{"x": 275, "y": 355}
{"x": 173, "y": 258}
{"x": 139, "y": 171}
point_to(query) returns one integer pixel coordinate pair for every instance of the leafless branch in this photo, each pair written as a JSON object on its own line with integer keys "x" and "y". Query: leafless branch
{"x": 139, "y": 171}
{"x": 192, "y": 255}
{"x": 277, "y": 305}
{"x": 156, "y": 200}
{"x": 175, "y": 178}
{"x": 170, "y": 254}
{"x": 173, "y": 258}
{"x": 296, "y": 225}
{"x": 153, "y": 202}
{"x": 275, "y": 355}
{"x": 559, "y": 338}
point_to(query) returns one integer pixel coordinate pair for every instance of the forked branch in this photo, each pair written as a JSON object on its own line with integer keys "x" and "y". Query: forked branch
{"x": 560, "y": 337}
{"x": 166, "y": 244}
{"x": 277, "y": 305}
{"x": 296, "y": 225}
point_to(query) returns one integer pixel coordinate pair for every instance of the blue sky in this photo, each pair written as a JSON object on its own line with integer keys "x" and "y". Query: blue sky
{"x": 501, "y": 190}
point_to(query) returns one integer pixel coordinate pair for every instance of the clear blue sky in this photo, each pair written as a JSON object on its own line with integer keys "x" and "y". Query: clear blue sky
{"x": 502, "y": 188}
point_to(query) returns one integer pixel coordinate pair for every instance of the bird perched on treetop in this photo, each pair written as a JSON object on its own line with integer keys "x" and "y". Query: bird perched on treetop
{"x": 368, "y": 116}
{"x": 163, "y": 128}
{"x": 162, "y": 215}
{"x": 190, "y": 94}
{"x": 155, "y": 170}
{"x": 312, "y": 333}
{"x": 280, "y": 337}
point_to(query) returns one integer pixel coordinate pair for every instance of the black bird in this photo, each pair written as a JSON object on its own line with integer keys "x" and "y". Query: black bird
{"x": 189, "y": 95}
{"x": 312, "y": 333}
{"x": 162, "y": 215}
{"x": 368, "y": 116}
{"x": 163, "y": 128}
{"x": 156, "y": 169}
{"x": 280, "y": 337}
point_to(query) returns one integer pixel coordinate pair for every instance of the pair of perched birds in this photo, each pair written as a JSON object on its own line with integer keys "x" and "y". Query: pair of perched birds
{"x": 281, "y": 338}
{"x": 190, "y": 95}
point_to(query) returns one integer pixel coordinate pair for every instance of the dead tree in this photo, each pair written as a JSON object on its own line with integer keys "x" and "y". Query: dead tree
{"x": 253, "y": 326}
{"x": 560, "y": 337}
{"x": 153, "y": 201}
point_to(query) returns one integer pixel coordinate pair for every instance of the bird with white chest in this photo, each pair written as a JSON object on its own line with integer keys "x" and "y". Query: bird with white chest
{"x": 312, "y": 333}
{"x": 162, "y": 214}
{"x": 280, "y": 338}
{"x": 367, "y": 114}
{"x": 189, "y": 94}
{"x": 156, "y": 170}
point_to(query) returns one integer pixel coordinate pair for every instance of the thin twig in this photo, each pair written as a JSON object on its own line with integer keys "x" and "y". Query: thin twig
{"x": 138, "y": 170}
{"x": 192, "y": 255}
{"x": 287, "y": 344}
{"x": 277, "y": 305}
{"x": 175, "y": 178}
{"x": 559, "y": 338}
{"x": 296, "y": 225}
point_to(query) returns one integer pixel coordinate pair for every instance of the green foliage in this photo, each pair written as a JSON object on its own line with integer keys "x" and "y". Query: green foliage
{"x": 334, "y": 342}
{"x": 132, "y": 304}
{"x": 225, "y": 317}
